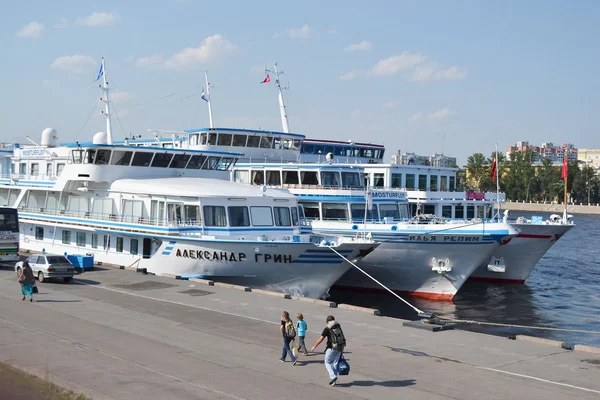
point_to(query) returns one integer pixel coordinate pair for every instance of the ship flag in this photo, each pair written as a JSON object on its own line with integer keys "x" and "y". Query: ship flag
{"x": 204, "y": 96}
{"x": 267, "y": 79}
{"x": 565, "y": 167}
{"x": 493, "y": 171}
{"x": 100, "y": 72}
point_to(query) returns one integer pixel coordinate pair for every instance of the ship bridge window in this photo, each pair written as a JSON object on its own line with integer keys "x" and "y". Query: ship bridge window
{"x": 211, "y": 163}
{"x": 239, "y": 140}
{"x": 287, "y": 143}
{"x": 294, "y": 211}
{"x": 311, "y": 210}
{"x": 89, "y": 156}
{"x": 121, "y": 157}
{"x": 329, "y": 178}
{"x": 358, "y": 212}
{"x": 214, "y": 216}
{"x": 389, "y": 211}
{"x": 404, "y": 211}
{"x": 180, "y": 160}
{"x": 238, "y": 216}
{"x": 351, "y": 179}
{"x": 162, "y": 160}
{"x": 309, "y": 177}
{"x": 282, "y": 216}
{"x": 277, "y": 144}
{"x": 141, "y": 159}
{"x": 224, "y": 163}
{"x": 102, "y": 157}
{"x": 266, "y": 142}
{"x": 77, "y": 156}
{"x": 273, "y": 178}
{"x": 196, "y": 162}
{"x": 203, "y": 138}
{"x": 193, "y": 138}
{"x": 241, "y": 176}
{"x": 225, "y": 139}
{"x": 261, "y": 216}
{"x": 253, "y": 141}
{"x": 378, "y": 180}
{"x": 290, "y": 177}
{"x": 297, "y": 144}
{"x": 335, "y": 210}
{"x": 258, "y": 177}
{"x": 212, "y": 139}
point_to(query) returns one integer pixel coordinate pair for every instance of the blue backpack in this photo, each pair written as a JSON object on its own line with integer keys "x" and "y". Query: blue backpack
{"x": 343, "y": 366}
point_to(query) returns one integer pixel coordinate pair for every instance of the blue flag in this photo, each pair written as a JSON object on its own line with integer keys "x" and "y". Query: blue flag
{"x": 100, "y": 72}
{"x": 204, "y": 96}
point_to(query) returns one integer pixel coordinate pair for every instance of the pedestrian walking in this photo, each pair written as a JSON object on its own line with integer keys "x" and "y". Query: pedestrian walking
{"x": 302, "y": 327}
{"x": 289, "y": 333}
{"x": 27, "y": 280}
{"x": 336, "y": 342}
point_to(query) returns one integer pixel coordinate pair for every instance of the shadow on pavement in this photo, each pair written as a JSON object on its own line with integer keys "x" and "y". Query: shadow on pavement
{"x": 57, "y": 301}
{"x": 406, "y": 382}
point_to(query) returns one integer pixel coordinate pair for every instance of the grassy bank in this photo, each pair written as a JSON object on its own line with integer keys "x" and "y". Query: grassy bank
{"x": 19, "y": 385}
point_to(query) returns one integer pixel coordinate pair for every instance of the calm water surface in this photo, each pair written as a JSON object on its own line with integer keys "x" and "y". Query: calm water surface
{"x": 562, "y": 292}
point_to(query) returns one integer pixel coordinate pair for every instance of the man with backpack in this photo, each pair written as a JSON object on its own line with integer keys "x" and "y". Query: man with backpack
{"x": 335, "y": 346}
{"x": 289, "y": 333}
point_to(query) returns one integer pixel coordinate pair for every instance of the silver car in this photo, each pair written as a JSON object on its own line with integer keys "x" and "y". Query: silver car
{"x": 49, "y": 266}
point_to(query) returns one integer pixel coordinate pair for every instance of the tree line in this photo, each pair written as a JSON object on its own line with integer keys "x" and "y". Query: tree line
{"x": 521, "y": 180}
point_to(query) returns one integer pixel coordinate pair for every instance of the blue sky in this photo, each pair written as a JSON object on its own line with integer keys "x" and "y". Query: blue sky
{"x": 405, "y": 73}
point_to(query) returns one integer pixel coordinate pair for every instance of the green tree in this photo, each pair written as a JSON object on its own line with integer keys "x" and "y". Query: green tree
{"x": 477, "y": 169}
{"x": 520, "y": 175}
{"x": 548, "y": 176}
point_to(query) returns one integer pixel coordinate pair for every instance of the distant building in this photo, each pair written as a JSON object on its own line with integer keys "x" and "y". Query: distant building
{"x": 546, "y": 150}
{"x": 436, "y": 160}
{"x": 590, "y": 157}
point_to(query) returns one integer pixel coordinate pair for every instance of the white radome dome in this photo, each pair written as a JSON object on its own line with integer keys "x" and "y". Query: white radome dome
{"x": 49, "y": 137}
{"x": 99, "y": 138}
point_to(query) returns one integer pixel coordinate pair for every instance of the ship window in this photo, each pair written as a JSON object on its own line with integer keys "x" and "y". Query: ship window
{"x": 35, "y": 169}
{"x": 214, "y": 216}
{"x": 94, "y": 240}
{"x": 121, "y": 157}
{"x": 203, "y": 137}
{"x": 351, "y": 179}
{"x": 174, "y": 212}
{"x": 119, "y": 246}
{"x": 422, "y": 182}
{"x": 59, "y": 168}
{"x": 459, "y": 211}
{"x": 378, "y": 180}
{"x": 358, "y": 212}
{"x": 212, "y": 139}
{"x": 335, "y": 210}
{"x": 253, "y": 141}
{"x": 241, "y": 176}
{"x": 294, "y": 211}
{"x": 239, "y": 140}
{"x": 297, "y": 144}
{"x": 309, "y": 177}
{"x": 133, "y": 247}
{"x": 212, "y": 163}
{"x": 290, "y": 177}
{"x": 470, "y": 211}
{"x": 396, "y": 180}
{"x": 273, "y": 178}
{"x": 404, "y": 211}
{"x": 66, "y": 237}
{"x": 48, "y": 169}
{"x": 410, "y": 181}
{"x": 141, "y": 159}
{"x": 180, "y": 160}
{"x": 389, "y": 210}
{"x": 311, "y": 210}
{"x": 81, "y": 239}
{"x": 102, "y": 157}
{"x": 443, "y": 183}
{"x": 106, "y": 242}
{"x": 329, "y": 178}
{"x": 162, "y": 160}
{"x": 224, "y": 163}
{"x": 282, "y": 216}
{"x": 266, "y": 142}
{"x": 225, "y": 139}
{"x": 89, "y": 156}
{"x": 429, "y": 209}
{"x": 193, "y": 139}
{"x": 196, "y": 162}
{"x": 433, "y": 182}
{"x": 238, "y": 216}
{"x": 452, "y": 184}
{"x": 77, "y": 156}
{"x": 258, "y": 177}
{"x": 39, "y": 233}
{"x": 261, "y": 216}
{"x": 192, "y": 214}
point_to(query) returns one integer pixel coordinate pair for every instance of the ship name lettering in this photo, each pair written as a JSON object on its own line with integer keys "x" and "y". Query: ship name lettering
{"x": 210, "y": 256}
{"x": 275, "y": 258}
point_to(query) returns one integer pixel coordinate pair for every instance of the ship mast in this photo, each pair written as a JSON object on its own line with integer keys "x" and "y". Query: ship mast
{"x": 207, "y": 98}
{"x": 105, "y": 89}
{"x": 282, "y": 110}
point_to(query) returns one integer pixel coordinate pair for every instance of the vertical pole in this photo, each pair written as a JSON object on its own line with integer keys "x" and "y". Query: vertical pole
{"x": 497, "y": 183}
{"x": 210, "y": 117}
{"x": 566, "y": 160}
{"x": 109, "y": 138}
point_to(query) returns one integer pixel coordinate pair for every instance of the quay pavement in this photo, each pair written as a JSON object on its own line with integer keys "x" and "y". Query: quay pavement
{"x": 115, "y": 334}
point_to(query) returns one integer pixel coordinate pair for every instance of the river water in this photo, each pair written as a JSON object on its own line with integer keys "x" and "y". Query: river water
{"x": 562, "y": 292}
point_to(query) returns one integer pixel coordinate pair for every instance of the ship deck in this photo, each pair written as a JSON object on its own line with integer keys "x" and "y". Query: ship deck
{"x": 115, "y": 334}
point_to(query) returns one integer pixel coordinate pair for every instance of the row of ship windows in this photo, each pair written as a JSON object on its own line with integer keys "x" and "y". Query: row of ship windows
{"x": 277, "y": 177}
{"x": 356, "y": 211}
{"x": 228, "y": 139}
{"x": 81, "y": 240}
{"x": 342, "y": 150}
{"x": 150, "y": 159}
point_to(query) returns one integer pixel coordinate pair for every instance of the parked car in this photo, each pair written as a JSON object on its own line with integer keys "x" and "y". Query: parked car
{"x": 49, "y": 266}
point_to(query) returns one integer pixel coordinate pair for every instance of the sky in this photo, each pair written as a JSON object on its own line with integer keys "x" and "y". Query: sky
{"x": 427, "y": 77}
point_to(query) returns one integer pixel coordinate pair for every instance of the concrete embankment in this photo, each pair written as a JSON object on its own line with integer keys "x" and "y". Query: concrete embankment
{"x": 117, "y": 334}
{"x": 552, "y": 208}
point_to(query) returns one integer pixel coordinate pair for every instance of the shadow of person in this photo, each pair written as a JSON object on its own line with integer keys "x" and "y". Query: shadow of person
{"x": 58, "y": 301}
{"x": 402, "y": 383}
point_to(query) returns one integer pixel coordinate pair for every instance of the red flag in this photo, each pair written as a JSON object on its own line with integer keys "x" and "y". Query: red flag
{"x": 493, "y": 172}
{"x": 267, "y": 79}
{"x": 565, "y": 168}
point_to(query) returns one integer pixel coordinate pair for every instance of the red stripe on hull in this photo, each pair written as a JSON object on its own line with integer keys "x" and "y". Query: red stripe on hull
{"x": 422, "y": 295}
{"x": 532, "y": 236}
{"x": 496, "y": 280}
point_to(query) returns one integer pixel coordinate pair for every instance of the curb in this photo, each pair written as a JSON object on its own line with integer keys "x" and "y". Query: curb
{"x": 325, "y": 303}
{"x": 549, "y": 342}
{"x": 271, "y": 293}
{"x": 228, "y": 285}
{"x": 171, "y": 276}
{"x": 587, "y": 349}
{"x": 372, "y": 311}
{"x": 202, "y": 281}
